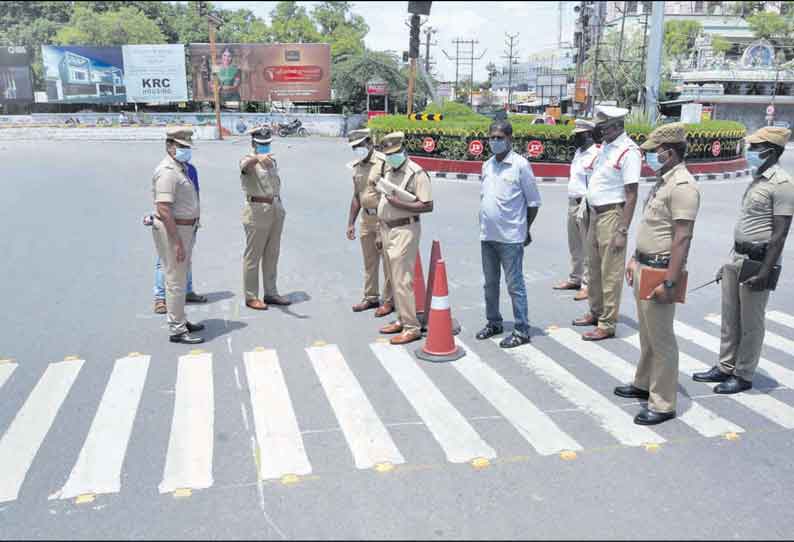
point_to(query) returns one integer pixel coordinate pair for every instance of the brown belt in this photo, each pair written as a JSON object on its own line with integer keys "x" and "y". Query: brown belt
{"x": 261, "y": 199}
{"x": 396, "y": 223}
{"x": 182, "y": 221}
{"x": 604, "y": 208}
{"x": 370, "y": 212}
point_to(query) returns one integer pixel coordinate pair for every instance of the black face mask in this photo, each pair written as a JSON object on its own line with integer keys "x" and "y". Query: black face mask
{"x": 581, "y": 140}
{"x": 598, "y": 134}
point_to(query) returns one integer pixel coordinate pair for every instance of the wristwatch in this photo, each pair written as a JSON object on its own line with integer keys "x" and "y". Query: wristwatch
{"x": 668, "y": 284}
{"x": 623, "y": 231}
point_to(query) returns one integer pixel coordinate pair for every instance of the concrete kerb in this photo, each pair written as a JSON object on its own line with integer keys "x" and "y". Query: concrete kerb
{"x": 473, "y": 177}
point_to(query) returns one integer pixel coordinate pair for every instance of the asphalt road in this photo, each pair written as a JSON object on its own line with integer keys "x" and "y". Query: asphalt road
{"x": 297, "y": 423}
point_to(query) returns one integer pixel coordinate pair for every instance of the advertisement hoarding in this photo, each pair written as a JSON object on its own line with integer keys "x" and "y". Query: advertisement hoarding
{"x": 263, "y": 72}
{"x": 15, "y": 83}
{"x": 75, "y": 74}
{"x": 155, "y": 73}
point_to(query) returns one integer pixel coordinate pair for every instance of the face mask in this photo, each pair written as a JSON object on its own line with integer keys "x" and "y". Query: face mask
{"x": 262, "y": 149}
{"x": 396, "y": 160}
{"x": 183, "y": 155}
{"x": 498, "y": 146}
{"x": 580, "y": 140}
{"x": 654, "y": 161}
{"x": 598, "y": 134}
{"x": 361, "y": 152}
{"x": 754, "y": 159}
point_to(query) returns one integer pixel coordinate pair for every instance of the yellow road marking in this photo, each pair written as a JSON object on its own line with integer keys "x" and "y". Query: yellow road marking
{"x": 319, "y": 343}
{"x": 134, "y": 354}
{"x": 290, "y": 479}
{"x": 71, "y": 358}
{"x": 7, "y": 360}
{"x": 259, "y": 349}
{"x": 480, "y": 463}
{"x": 568, "y": 455}
{"x": 552, "y": 328}
{"x": 182, "y": 493}
{"x": 85, "y": 499}
{"x": 731, "y": 436}
{"x": 651, "y": 447}
{"x": 196, "y": 352}
{"x": 386, "y": 466}
{"x": 381, "y": 340}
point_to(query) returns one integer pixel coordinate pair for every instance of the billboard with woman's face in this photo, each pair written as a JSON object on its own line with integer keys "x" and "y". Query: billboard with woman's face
{"x": 263, "y": 72}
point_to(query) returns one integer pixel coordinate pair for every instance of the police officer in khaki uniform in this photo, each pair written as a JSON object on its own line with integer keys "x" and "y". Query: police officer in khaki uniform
{"x": 401, "y": 230}
{"x": 663, "y": 241}
{"x": 176, "y": 219}
{"x": 367, "y": 169}
{"x": 760, "y": 235}
{"x": 263, "y": 221}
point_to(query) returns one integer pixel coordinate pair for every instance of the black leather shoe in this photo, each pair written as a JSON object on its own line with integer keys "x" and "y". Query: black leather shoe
{"x": 489, "y": 331}
{"x": 514, "y": 340}
{"x": 192, "y": 328}
{"x": 733, "y": 384}
{"x": 649, "y": 417}
{"x": 712, "y": 375}
{"x": 631, "y": 392}
{"x": 185, "y": 338}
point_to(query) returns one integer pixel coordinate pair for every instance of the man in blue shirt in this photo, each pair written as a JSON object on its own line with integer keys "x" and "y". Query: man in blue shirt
{"x": 159, "y": 279}
{"x": 509, "y": 202}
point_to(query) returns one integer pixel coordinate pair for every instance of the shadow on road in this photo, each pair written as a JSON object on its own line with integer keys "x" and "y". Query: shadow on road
{"x": 217, "y": 327}
{"x": 214, "y": 297}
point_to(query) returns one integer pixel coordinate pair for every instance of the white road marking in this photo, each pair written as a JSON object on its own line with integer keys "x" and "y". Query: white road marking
{"x": 6, "y": 370}
{"x": 459, "y": 440}
{"x": 98, "y": 467}
{"x": 21, "y": 442}
{"x": 781, "y": 318}
{"x": 281, "y": 449}
{"x": 770, "y": 339}
{"x": 537, "y": 428}
{"x": 366, "y": 435}
{"x": 613, "y": 419}
{"x": 698, "y": 417}
{"x": 763, "y": 404}
{"x": 188, "y": 463}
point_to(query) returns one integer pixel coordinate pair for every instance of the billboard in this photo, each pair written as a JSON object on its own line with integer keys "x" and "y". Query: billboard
{"x": 155, "y": 73}
{"x": 84, "y": 74}
{"x": 263, "y": 72}
{"x": 15, "y": 83}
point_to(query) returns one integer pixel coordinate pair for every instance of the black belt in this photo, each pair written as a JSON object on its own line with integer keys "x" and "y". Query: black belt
{"x": 653, "y": 260}
{"x": 370, "y": 212}
{"x": 400, "y": 222}
{"x": 754, "y": 251}
{"x": 182, "y": 221}
{"x": 577, "y": 201}
{"x": 604, "y": 208}
{"x": 262, "y": 199}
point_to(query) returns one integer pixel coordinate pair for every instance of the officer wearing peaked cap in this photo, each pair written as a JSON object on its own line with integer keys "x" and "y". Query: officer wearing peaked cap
{"x": 401, "y": 230}
{"x": 611, "y": 198}
{"x": 176, "y": 218}
{"x": 263, "y": 220}
{"x": 759, "y": 237}
{"x": 368, "y": 168}
{"x": 663, "y": 240}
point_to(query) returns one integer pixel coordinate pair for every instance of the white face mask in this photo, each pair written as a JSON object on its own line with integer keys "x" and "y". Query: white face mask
{"x": 361, "y": 152}
{"x": 182, "y": 155}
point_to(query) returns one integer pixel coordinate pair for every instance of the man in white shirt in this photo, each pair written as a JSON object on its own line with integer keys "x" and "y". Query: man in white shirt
{"x": 611, "y": 199}
{"x": 578, "y": 217}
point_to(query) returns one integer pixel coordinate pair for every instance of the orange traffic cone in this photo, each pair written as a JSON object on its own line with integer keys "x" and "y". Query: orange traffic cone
{"x": 435, "y": 256}
{"x": 440, "y": 344}
{"x": 419, "y": 287}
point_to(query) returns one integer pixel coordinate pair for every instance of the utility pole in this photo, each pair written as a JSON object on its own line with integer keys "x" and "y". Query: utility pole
{"x": 654, "y": 63}
{"x": 413, "y": 53}
{"x": 429, "y": 31}
{"x": 511, "y": 53}
{"x": 641, "y": 93}
{"x": 467, "y": 61}
{"x": 214, "y": 22}
{"x": 597, "y": 28}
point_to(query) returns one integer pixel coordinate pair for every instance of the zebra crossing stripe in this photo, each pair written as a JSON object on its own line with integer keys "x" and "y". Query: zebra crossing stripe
{"x": 459, "y": 440}
{"x": 188, "y": 463}
{"x": 613, "y": 419}
{"x": 698, "y": 417}
{"x": 281, "y": 448}
{"x": 533, "y": 424}
{"x": 98, "y": 467}
{"x": 6, "y": 370}
{"x": 762, "y": 404}
{"x": 21, "y": 442}
{"x": 783, "y": 376}
{"x": 367, "y": 437}
{"x": 770, "y": 339}
{"x": 781, "y": 318}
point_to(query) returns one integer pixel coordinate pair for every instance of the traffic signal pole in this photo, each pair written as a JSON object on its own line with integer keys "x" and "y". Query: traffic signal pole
{"x": 413, "y": 53}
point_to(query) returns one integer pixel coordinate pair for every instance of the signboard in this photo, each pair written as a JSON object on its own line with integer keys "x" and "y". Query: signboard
{"x": 707, "y": 114}
{"x": 716, "y": 147}
{"x": 444, "y": 90}
{"x": 428, "y": 144}
{"x": 377, "y": 88}
{"x": 475, "y": 147}
{"x": 84, "y": 74}
{"x": 263, "y": 72}
{"x": 155, "y": 73}
{"x": 15, "y": 84}
{"x": 534, "y": 148}
{"x": 770, "y": 110}
{"x": 691, "y": 113}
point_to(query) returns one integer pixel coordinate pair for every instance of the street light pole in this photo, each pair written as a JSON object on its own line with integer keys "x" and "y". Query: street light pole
{"x": 213, "y": 21}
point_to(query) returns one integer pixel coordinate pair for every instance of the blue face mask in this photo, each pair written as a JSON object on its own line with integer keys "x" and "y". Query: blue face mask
{"x": 498, "y": 146}
{"x": 183, "y": 155}
{"x": 754, "y": 159}
{"x": 262, "y": 149}
{"x": 653, "y": 161}
{"x": 396, "y": 160}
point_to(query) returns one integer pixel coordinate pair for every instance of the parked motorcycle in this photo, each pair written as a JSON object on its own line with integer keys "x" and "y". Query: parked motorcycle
{"x": 293, "y": 127}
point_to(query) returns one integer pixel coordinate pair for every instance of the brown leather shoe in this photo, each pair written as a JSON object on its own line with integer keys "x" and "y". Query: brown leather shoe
{"x": 597, "y": 334}
{"x": 406, "y": 337}
{"x": 256, "y": 304}
{"x": 394, "y": 327}
{"x": 567, "y": 285}
{"x": 365, "y": 305}
{"x": 581, "y": 295}
{"x": 384, "y": 310}
{"x": 160, "y": 306}
{"x": 277, "y": 300}
{"x": 586, "y": 320}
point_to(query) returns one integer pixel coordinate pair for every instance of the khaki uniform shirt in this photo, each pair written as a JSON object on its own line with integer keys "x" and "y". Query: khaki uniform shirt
{"x": 411, "y": 177}
{"x": 770, "y": 195}
{"x": 365, "y": 176}
{"x": 261, "y": 182}
{"x": 675, "y": 197}
{"x": 170, "y": 184}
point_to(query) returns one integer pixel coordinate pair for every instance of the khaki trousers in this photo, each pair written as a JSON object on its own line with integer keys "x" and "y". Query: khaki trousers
{"x": 657, "y": 371}
{"x": 263, "y": 225}
{"x": 743, "y": 327}
{"x": 577, "y": 243}
{"x": 369, "y": 234}
{"x": 607, "y": 268}
{"x": 401, "y": 245}
{"x": 175, "y": 272}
